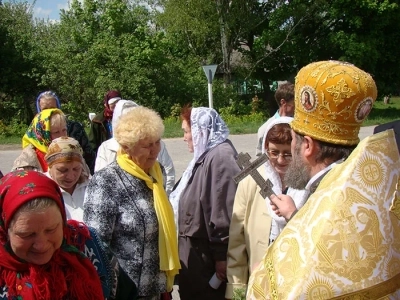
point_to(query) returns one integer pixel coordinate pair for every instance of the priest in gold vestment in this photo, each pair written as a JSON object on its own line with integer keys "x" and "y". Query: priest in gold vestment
{"x": 345, "y": 241}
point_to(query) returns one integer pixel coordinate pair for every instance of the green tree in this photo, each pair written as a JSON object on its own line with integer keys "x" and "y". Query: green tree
{"x": 299, "y": 32}
{"x": 241, "y": 35}
{"x": 369, "y": 38}
{"x": 20, "y": 61}
{"x": 101, "y": 46}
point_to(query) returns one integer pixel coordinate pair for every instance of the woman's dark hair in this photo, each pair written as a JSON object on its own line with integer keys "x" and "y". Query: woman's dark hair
{"x": 185, "y": 113}
{"x": 279, "y": 134}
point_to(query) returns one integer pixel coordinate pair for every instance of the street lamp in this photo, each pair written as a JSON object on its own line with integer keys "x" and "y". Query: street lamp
{"x": 210, "y": 72}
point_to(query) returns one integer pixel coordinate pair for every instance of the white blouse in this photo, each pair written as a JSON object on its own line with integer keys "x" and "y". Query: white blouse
{"x": 74, "y": 203}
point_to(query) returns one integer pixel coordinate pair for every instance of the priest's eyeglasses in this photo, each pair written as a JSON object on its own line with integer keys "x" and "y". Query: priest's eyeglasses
{"x": 273, "y": 154}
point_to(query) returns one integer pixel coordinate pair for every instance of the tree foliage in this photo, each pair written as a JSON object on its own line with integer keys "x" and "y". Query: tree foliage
{"x": 19, "y": 60}
{"x": 152, "y": 51}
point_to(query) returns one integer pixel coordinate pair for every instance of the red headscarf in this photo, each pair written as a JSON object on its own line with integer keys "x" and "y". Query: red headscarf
{"x": 68, "y": 275}
{"x": 108, "y": 113}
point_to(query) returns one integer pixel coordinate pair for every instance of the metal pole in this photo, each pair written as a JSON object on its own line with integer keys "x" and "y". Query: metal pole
{"x": 209, "y": 70}
{"x": 210, "y": 95}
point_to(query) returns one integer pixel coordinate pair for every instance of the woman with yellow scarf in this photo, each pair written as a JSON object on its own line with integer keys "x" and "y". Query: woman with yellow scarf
{"x": 127, "y": 204}
{"x": 46, "y": 126}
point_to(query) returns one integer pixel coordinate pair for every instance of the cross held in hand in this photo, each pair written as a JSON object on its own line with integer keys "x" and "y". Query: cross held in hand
{"x": 250, "y": 168}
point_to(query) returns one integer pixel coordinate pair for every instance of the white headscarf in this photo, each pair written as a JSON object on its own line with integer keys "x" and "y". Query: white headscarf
{"x": 299, "y": 196}
{"x": 122, "y": 107}
{"x": 208, "y": 130}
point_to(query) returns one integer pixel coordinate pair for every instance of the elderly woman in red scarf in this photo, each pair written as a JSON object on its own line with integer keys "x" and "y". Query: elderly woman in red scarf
{"x": 46, "y": 126}
{"x": 42, "y": 255}
{"x": 101, "y": 126}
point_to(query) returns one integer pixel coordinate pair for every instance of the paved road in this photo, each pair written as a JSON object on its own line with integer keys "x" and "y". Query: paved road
{"x": 177, "y": 149}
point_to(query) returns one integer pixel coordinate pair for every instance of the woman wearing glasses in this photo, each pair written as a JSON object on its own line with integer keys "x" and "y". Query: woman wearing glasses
{"x": 254, "y": 226}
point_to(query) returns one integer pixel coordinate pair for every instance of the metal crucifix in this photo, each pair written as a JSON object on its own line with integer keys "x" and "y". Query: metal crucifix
{"x": 250, "y": 168}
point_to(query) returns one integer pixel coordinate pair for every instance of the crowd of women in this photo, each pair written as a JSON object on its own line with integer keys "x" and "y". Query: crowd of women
{"x": 100, "y": 216}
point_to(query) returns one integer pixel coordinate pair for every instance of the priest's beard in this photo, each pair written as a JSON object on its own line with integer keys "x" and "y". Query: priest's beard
{"x": 298, "y": 172}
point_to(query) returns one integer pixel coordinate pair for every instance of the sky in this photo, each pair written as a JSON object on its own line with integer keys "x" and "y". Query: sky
{"x": 45, "y": 9}
{"x": 48, "y": 9}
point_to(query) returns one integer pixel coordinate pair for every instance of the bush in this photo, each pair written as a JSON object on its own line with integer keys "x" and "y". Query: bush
{"x": 237, "y": 108}
{"x": 176, "y": 110}
{"x": 14, "y": 128}
{"x": 239, "y": 294}
{"x": 236, "y": 124}
{"x": 232, "y": 119}
{"x": 243, "y": 124}
{"x": 172, "y": 127}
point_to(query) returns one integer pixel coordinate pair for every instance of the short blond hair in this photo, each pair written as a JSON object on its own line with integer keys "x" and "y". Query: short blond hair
{"x": 138, "y": 124}
{"x": 58, "y": 118}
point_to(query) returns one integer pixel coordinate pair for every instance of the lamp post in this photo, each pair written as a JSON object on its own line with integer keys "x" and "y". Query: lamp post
{"x": 209, "y": 70}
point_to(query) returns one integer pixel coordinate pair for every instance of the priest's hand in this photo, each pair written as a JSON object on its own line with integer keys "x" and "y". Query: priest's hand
{"x": 283, "y": 206}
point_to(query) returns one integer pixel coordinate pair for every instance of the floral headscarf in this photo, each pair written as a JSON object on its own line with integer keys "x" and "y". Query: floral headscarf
{"x": 69, "y": 274}
{"x": 38, "y": 133}
{"x": 64, "y": 149}
{"x": 67, "y": 149}
{"x": 208, "y": 130}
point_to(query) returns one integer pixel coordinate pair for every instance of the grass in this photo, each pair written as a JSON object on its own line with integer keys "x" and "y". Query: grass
{"x": 9, "y": 140}
{"x": 380, "y": 114}
{"x": 236, "y": 125}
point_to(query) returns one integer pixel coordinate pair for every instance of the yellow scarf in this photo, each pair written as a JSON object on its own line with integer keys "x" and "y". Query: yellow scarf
{"x": 167, "y": 240}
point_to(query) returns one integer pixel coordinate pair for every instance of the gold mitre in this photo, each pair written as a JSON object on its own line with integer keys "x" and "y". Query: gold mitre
{"x": 332, "y": 99}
